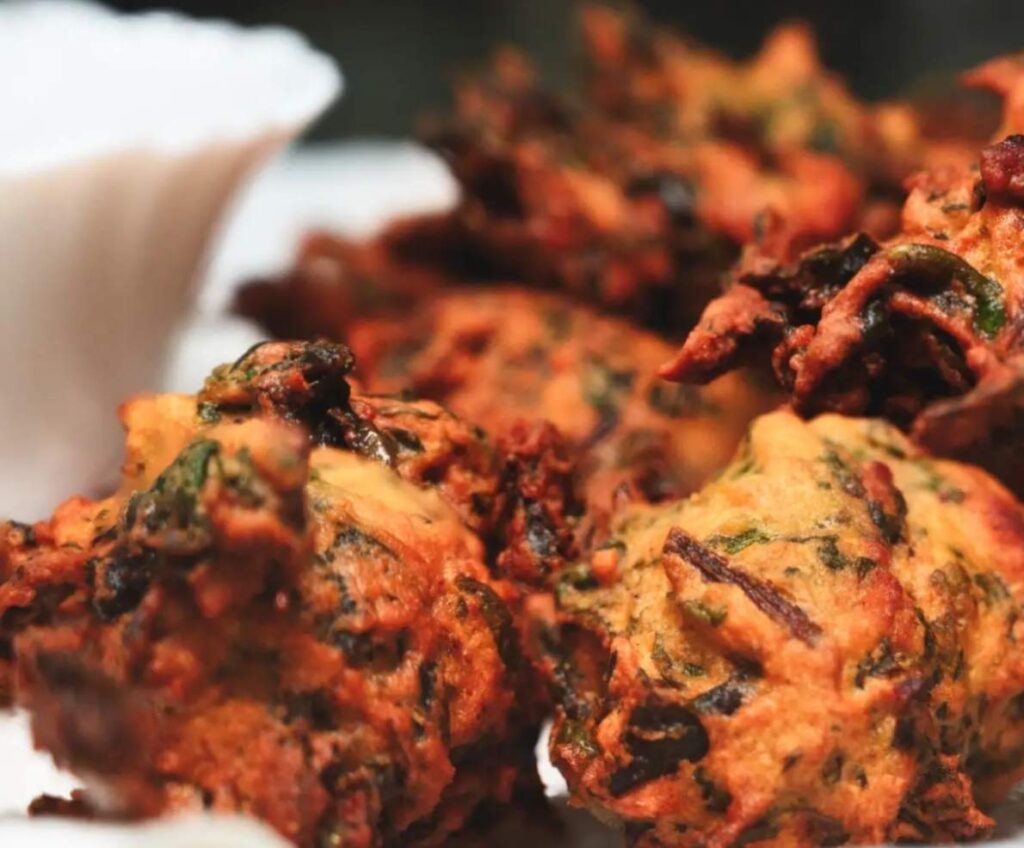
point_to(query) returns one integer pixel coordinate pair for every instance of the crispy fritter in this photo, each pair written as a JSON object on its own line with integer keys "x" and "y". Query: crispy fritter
{"x": 288, "y": 609}
{"x": 817, "y": 647}
{"x": 672, "y": 162}
{"x": 924, "y": 328}
{"x": 498, "y": 355}
{"x": 781, "y": 100}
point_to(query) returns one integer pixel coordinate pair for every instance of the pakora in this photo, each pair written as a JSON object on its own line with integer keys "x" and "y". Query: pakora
{"x": 289, "y": 609}
{"x": 923, "y": 328}
{"x": 345, "y": 604}
{"x": 818, "y": 647}
{"x": 779, "y": 101}
{"x": 494, "y": 356}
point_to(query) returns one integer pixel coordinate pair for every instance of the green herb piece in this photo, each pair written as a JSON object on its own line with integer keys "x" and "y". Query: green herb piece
{"x": 710, "y": 615}
{"x": 738, "y": 542}
{"x": 989, "y": 313}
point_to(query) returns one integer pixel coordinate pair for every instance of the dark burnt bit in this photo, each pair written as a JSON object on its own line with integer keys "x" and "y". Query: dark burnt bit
{"x": 890, "y": 526}
{"x": 497, "y": 616}
{"x": 875, "y": 324}
{"x": 659, "y": 737}
{"x": 108, "y": 535}
{"x": 832, "y": 770}
{"x": 346, "y": 428}
{"x": 904, "y": 734}
{"x": 535, "y": 515}
{"x": 406, "y": 440}
{"x": 805, "y": 286}
{"x": 296, "y": 380}
{"x": 305, "y": 383}
{"x": 76, "y": 806}
{"x": 827, "y": 548}
{"x": 314, "y": 707}
{"x": 579, "y": 661}
{"x": 428, "y": 685}
{"x": 880, "y": 662}
{"x": 716, "y": 569}
{"x": 22, "y": 535}
{"x": 121, "y": 582}
{"x": 1002, "y": 169}
{"x": 723, "y": 699}
{"x": 716, "y": 799}
{"x": 159, "y": 525}
{"x": 919, "y": 830}
{"x": 992, "y": 588}
{"x": 355, "y": 541}
{"x": 886, "y": 504}
{"x": 979, "y": 196}
{"x": 849, "y": 260}
{"x": 378, "y": 652}
{"x": 301, "y": 382}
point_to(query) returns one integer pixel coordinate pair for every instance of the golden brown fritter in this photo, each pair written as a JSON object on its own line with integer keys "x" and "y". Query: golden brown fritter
{"x": 287, "y": 609}
{"x": 923, "y": 328}
{"x": 569, "y": 201}
{"x": 818, "y": 647}
{"x": 495, "y": 356}
{"x": 676, "y": 155}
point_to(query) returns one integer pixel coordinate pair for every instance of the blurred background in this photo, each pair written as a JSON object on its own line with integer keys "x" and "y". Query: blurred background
{"x": 399, "y": 56}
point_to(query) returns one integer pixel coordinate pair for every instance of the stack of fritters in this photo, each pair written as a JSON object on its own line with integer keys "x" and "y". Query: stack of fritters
{"x": 346, "y": 608}
{"x": 637, "y": 193}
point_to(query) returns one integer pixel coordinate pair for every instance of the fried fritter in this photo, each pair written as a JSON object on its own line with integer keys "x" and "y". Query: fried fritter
{"x": 673, "y": 161}
{"x": 779, "y": 101}
{"x": 288, "y": 610}
{"x": 495, "y": 356}
{"x": 924, "y": 328}
{"x": 818, "y": 647}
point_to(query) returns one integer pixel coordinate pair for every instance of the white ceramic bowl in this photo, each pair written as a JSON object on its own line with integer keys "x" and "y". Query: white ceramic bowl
{"x": 121, "y": 140}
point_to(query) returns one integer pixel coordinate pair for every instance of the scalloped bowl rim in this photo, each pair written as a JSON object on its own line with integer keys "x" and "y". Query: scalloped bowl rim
{"x": 276, "y": 82}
